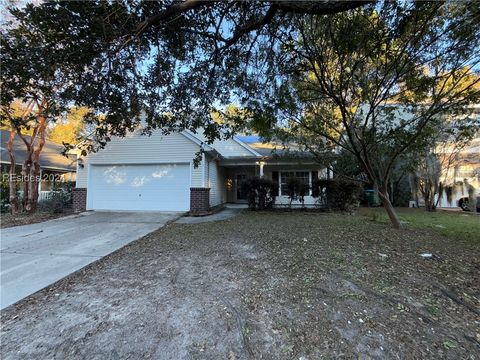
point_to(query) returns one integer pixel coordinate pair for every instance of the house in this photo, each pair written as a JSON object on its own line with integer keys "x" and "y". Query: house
{"x": 55, "y": 167}
{"x": 463, "y": 173}
{"x": 157, "y": 172}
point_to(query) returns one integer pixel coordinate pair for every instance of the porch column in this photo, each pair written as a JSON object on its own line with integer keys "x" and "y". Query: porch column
{"x": 261, "y": 164}
{"x": 40, "y": 182}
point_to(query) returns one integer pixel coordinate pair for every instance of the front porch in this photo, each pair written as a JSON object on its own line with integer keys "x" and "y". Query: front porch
{"x": 278, "y": 171}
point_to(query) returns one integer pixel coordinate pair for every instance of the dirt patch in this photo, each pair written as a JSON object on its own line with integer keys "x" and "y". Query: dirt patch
{"x": 9, "y": 220}
{"x": 261, "y": 285}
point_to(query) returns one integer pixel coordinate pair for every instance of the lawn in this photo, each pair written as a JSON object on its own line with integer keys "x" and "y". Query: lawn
{"x": 454, "y": 224}
{"x": 262, "y": 285}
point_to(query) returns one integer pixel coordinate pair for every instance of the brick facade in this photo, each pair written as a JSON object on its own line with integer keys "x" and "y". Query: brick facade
{"x": 79, "y": 196}
{"x": 199, "y": 199}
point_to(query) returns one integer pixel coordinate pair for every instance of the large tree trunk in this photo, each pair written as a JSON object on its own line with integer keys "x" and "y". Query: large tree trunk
{"x": 12, "y": 183}
{"x": 27, "y": 164}
{"x": 429, "y": 196}
{"x": 34, "y": 170}
{"x": 392, "y": 214}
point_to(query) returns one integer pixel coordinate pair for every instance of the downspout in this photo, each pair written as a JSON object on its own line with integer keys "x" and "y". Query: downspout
{"x": 204, "y": 169}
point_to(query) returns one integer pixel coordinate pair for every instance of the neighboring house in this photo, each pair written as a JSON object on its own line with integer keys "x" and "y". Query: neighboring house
{"x": 157, "y": 172}
{"x": 465, "y": 171}
{"x": 54, "y": 166}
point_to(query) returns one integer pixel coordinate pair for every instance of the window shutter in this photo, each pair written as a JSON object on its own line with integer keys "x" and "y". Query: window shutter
{"x": 276, "y": 181}
{"x": 314, "y": 190}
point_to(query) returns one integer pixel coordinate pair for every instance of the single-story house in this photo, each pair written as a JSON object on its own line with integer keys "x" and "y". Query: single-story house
{"x": 157, "y": 172}
{"x": 55, "y": 167}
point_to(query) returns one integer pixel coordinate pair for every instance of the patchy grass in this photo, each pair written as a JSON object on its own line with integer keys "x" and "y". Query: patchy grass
{"x": 261, "y": 286}
{"x": 9, "y": 220}
{"x": 453, "y": 224}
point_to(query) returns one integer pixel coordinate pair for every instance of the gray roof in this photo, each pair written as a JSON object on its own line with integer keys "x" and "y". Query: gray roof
{"x": 273, "y": 149}
{"x": 50, "y": 158}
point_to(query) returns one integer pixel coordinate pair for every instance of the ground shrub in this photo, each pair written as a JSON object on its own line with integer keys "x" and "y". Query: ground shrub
{"x": 4, "y": 193}
{"x": 337, "y": 194}
{"x": 260, "y": 193}
{"x": 59, "y": 199}
{"x": 297, "y": 190}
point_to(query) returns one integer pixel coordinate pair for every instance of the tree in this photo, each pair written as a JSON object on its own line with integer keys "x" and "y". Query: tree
{"x": 70, "y": 129}
{"x": 33, "y": 84}
{"x": 171, "y": 61}
{"x": 29, "y": 118}
{"x": 375, "y": 81}
{"x": 180, "y": 61}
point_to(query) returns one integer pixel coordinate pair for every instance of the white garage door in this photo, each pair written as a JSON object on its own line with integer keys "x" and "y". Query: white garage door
{"x": 139, "y": 187}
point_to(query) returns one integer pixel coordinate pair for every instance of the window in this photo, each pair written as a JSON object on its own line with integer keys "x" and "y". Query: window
{"x": 283, "y": 181}
{"x": 303, "y": 176}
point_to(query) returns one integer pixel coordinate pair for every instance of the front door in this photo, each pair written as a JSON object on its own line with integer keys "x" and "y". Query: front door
{"x": 240, "y": 193}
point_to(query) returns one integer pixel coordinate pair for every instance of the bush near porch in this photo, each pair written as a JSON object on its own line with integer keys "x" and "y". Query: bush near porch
{"x": 333, "y": 194}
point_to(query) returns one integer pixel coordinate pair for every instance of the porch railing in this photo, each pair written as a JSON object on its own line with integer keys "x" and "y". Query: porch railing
{"x": 42, "y": 195}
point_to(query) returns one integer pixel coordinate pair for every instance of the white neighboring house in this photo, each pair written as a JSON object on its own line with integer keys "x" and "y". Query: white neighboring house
{"x": 465, "y": 170}
{"x": 157, "y": 173}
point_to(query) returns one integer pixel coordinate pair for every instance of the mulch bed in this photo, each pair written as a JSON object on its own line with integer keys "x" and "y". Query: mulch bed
{"x": 9, "y": 220}
{"x": 261, "y": 285}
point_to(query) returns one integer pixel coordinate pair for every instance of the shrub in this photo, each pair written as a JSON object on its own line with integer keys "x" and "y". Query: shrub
{"x": 292, "y": 189}
{"x": 303, "y": 190}
{"x": 56, "y": 202}
{"x": 59, "y": 199}
{"x": 4, "y": 193}
{"x": 337, "y": 194}
{"x": 297, "y": 190}
{"x": 260, "y": 193}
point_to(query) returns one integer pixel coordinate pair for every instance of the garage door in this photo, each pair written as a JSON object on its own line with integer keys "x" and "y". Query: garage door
{"x": 139, "y": 187}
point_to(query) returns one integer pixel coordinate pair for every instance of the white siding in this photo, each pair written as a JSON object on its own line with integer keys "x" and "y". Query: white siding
{"x": 144, "y": 149}
{"x": 216, "y": 183}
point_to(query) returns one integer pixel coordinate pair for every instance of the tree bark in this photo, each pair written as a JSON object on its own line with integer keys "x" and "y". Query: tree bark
{"x": 12, "y": 184}
{"x": 34, "y": 170}
{"x": 27, "y": 164}
{"x": 389, "y": 209}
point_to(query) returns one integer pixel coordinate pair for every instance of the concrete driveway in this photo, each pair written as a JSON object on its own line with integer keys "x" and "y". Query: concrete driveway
{"x": 35, "y": 256}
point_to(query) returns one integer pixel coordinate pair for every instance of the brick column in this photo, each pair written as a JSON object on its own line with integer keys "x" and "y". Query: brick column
{"x": 79, "y": 197}
{"x": 199, "y": 199}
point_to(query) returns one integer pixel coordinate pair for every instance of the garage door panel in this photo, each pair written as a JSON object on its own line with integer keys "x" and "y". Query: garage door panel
{"x": 139, "y": 187}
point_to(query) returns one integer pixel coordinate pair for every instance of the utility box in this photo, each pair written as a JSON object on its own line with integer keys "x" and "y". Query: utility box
{"x": 372, "y": 197}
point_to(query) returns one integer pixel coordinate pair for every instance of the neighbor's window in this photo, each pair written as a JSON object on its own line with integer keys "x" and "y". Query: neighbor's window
{"x": 303, "y": 176}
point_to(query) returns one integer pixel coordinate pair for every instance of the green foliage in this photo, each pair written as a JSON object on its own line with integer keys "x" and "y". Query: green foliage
{"x": 4, "y": 193}
{"x": 169, "y": 63}
{"x": 338, "y": 194}
{"x": 59, "y": 199}
{"x": 260, "y": 192}
{"x": 296, "y": 190}
{"x": 379, "y": 81}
